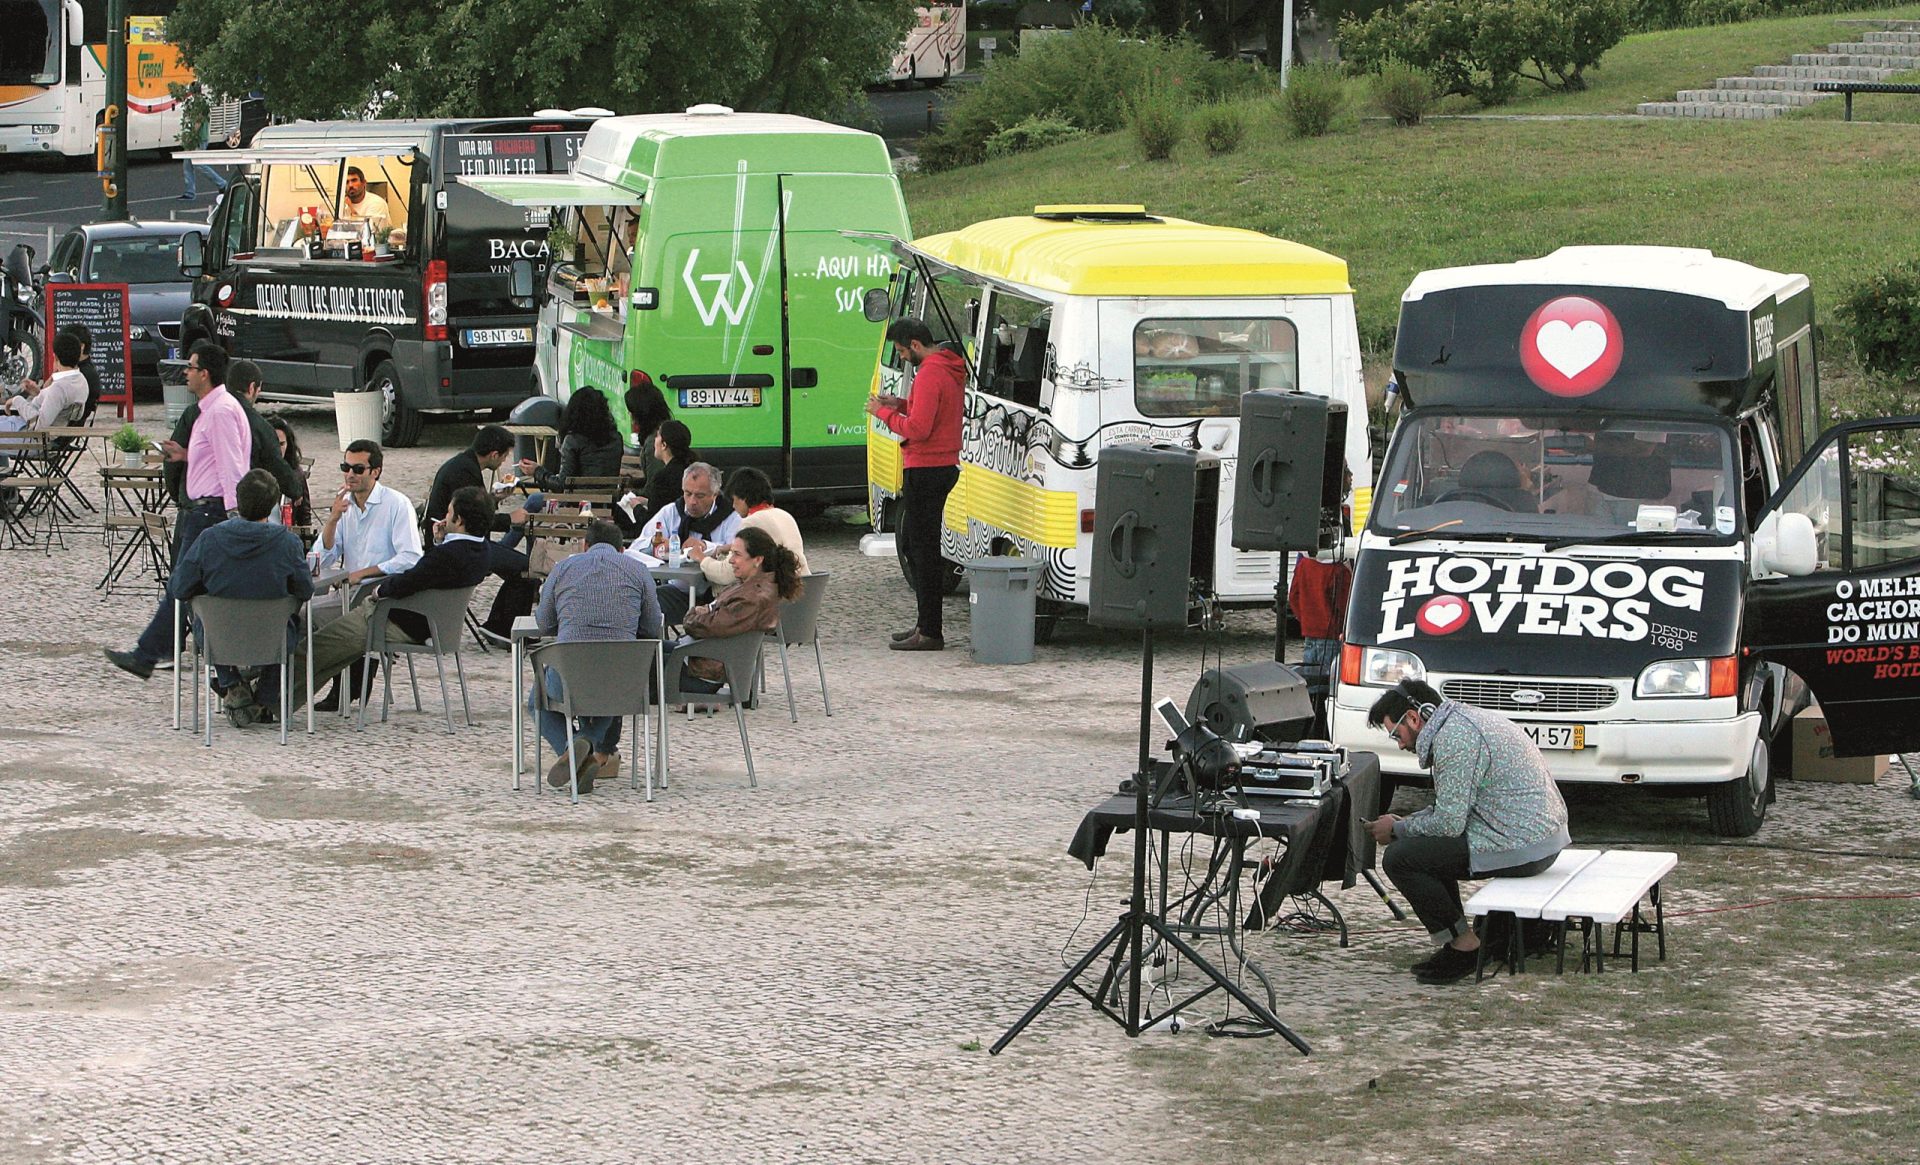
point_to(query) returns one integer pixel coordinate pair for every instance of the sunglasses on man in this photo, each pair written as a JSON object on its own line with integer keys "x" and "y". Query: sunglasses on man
{"x": 349, "y": 467}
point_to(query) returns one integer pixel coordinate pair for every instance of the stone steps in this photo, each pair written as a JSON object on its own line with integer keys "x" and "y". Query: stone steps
{"x": 1787, "y": 97}
{"x": 1885, "y": 48}
{"x": 1732, "y": 109}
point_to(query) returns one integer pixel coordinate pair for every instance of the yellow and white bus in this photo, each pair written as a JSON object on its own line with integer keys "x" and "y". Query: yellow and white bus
{"x": 1088, "y": 326}
{"x": 53, "y": 77}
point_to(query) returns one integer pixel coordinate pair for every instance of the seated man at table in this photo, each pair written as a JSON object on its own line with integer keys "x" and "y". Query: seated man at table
{"x": 458, "y": 560}
{"x": 1495, "y": 814}
{"x": 369, "y": 531}
{"x": 596, "y": 596}
{"x": 697, "y": 514}
{"x": 752, "y": 495}
{"x": 246, "y": 557}
{"x": 470, "y": 467}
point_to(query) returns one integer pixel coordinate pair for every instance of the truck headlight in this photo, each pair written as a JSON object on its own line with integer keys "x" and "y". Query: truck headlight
{"x": 1379, "y": 667}
{"x": 1682, "y": 678}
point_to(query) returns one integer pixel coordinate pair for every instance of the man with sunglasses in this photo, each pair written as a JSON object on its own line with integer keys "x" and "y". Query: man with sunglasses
{"x": 215, "y": 457}
{"x": 1495, "y": 814}
{"x": 370, "y": 529}
{"x": 697, "y": 515}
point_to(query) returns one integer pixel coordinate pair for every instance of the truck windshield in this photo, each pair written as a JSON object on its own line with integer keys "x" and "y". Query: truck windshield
{"x": 30, "y": 52}
{"x": 1557, "y": 478}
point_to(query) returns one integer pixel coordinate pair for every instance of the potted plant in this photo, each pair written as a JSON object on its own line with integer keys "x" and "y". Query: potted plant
{"x": 560, "y": 242}
{"x": 131, "y": 444}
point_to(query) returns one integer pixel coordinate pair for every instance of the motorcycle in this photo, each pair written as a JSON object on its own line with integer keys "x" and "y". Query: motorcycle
{"x": 20, "y": 357}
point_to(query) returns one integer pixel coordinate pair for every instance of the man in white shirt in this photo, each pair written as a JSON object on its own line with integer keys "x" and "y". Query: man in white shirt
{"x": 696, "y": 516}
{"x": 364, "y": 203}
{"x": 60, "y": 399}
{"x": 371, "y": 529}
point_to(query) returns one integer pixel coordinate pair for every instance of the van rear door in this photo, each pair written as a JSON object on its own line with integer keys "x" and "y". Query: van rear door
{"x": 1844, "y": 612}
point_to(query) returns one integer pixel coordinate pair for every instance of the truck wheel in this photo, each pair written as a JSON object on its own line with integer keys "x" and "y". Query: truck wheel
{"x": 1737, "y": 807}
{"x": 19, "y": 360}
{"x": 400, "y": 426}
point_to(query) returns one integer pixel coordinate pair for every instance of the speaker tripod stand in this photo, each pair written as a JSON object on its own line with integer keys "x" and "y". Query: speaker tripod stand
{"x": 1131, "y": 931}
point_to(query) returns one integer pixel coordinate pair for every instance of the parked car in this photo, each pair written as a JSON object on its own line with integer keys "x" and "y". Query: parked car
{"x": 145, "y": 257}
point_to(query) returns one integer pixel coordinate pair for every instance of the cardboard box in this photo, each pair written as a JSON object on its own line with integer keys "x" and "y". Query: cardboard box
{"x": 1813, "y": 758}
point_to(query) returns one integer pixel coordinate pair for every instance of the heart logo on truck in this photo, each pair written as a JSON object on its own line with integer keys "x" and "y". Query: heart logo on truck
{"x": 1441, "y": 616}
{"x": 1571, "y": 346}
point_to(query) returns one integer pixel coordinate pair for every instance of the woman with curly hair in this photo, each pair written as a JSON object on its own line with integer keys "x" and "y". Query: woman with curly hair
{"x": 764, "y": 574}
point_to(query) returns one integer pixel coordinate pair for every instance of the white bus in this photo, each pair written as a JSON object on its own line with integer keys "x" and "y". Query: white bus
{"x": 935, "y": 48}
{"x": 53, "y": 78}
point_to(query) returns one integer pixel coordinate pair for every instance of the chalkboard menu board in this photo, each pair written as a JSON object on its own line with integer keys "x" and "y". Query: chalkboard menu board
{"x": 102, "y": 307}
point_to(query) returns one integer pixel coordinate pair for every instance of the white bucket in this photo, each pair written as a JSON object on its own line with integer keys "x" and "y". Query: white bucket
{"x": 177, "y": 397}
{"x": 358, "y": 415}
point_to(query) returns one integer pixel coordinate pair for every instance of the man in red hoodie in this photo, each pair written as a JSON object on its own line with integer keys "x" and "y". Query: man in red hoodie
{"x": 927, "y": 421}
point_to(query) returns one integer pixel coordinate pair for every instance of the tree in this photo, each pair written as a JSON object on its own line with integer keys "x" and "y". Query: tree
{"x": 490, "y": 58}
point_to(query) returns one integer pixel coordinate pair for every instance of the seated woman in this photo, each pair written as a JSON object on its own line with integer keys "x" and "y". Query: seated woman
{"x": 589, "y": 446}
{"x": 673, "y": 447}
{"x": 764, "y": 574}
{"x": 290, "y": 452}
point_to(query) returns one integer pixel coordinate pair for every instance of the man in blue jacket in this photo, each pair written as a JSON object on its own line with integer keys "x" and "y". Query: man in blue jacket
{"x": 248, "y": 557}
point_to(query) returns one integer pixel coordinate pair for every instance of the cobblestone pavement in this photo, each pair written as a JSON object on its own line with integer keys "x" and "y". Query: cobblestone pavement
{"x": 367, "y": 947}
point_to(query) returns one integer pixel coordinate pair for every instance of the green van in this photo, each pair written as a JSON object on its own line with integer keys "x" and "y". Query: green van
{"x": 706, "y": 250}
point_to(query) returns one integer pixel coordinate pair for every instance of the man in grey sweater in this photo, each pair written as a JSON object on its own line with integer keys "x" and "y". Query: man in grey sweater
{"x": 1496, "y": 813}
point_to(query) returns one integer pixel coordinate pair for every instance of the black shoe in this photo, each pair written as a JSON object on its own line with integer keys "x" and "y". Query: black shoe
{"x": 329, "y": 702}
{"x": 1426, "y": 964}
{"x": 130, "y": 663}
{"x": 1450, "y": 965}
{"x": 919, "y": 642}
{"x": 903, "y": 636}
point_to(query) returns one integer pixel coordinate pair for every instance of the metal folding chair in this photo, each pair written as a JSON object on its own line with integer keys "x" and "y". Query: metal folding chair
{"x": 236, "y": 633}
{"x": 739, "y": 655}
{"x": 596, "y": 679}
{"x": 800, "y": 627}
{"x": 29, "y": 491}
{"x": 443, "y": 611}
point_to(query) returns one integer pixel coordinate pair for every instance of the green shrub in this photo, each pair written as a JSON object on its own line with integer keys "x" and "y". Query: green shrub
{"x": 1403, "y": 92}
{"x": 1221, "y": 127}
{"x": 1157, "y": 119}
{"x": 1653, "y": 15}
{"x": 1034, "y": 133}
{"x": 1313, "y": 96}
{"x": 1881, "y": 316}
{"x": 1080, "y": 77}
{"x": 1483, "y": 48}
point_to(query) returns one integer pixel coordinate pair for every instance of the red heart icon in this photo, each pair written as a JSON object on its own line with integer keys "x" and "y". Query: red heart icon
{"x": 1571, "y": 346}
{"x": 1442, "y": 616}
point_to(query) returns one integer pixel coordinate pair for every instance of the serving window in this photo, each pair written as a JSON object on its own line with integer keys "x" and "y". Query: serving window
{"x": 1201, "y": 367}
{"x": 302, "y": 200}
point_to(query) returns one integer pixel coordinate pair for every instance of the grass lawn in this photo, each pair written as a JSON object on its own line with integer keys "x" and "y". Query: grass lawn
{"x": 1829, "y": 199}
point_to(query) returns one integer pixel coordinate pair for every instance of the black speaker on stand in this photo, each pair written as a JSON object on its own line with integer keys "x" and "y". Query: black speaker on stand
{"x": 1290, "y": 484}
{"x": 1145, "y": 542}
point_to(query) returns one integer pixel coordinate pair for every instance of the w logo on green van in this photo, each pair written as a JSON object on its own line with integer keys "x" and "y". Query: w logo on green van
{"x": 723, "y": 292}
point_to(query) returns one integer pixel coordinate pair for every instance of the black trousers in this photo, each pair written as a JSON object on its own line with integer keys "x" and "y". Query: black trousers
{"x": 926, "y": 491}
{"x": 1428, "y": 871}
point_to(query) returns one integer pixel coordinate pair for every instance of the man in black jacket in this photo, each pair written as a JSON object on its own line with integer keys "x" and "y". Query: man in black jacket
{"x": 248, "y": 557}
{"x": 469, "y": 468}
{"x": 458, "y": 560}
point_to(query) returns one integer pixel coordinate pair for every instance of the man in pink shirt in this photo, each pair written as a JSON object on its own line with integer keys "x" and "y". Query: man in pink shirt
{"x": 927, "y": 421}
{"x": 217, "y": 453}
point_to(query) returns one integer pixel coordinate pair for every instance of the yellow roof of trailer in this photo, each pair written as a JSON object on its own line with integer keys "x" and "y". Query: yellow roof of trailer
{"x": 1086, "y": 250}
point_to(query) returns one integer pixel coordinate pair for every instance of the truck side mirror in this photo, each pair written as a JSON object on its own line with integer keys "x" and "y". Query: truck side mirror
{"x": 1785, "y": 544}
{"x": 520, "y": 279}
{"x": 192, "y": 254}
{"x": 876, "y": 304}
{"x": 76, "y": 24}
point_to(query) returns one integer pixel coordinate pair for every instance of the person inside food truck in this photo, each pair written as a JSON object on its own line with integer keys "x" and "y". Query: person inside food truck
{"x": 362, "y": 203}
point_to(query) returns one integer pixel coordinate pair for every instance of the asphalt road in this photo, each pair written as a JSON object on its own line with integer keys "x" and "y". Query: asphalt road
{"x": 37, "y": 195}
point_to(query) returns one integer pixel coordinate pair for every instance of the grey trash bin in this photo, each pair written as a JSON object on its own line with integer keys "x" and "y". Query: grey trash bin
{"x": 1000, "y": 598}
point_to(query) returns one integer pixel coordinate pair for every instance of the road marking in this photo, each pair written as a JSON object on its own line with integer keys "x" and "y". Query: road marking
{"x": 90, "y": 206}
{"x": 16, "y": 198}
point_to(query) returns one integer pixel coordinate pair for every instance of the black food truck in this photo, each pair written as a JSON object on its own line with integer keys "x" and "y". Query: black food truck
{"x": 1608, "y": 512}
{"x": 350, "y": 259}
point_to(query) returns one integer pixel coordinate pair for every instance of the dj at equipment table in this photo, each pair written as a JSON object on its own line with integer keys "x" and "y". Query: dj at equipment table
{"x": 1326, "y": 837}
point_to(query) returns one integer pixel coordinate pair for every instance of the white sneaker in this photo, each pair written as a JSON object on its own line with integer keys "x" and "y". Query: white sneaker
{"x": 165, "y": 664}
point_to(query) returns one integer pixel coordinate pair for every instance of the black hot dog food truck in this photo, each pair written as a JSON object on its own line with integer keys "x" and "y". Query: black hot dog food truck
{"x": 1608, "y": 513}
{"x": 408, "y": 289}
